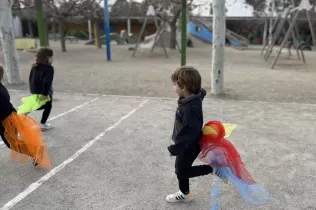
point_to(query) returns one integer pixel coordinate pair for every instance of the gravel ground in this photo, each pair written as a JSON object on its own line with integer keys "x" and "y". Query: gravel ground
{"x": 83, "y": 69}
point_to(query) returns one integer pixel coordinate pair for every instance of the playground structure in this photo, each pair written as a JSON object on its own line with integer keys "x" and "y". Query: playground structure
{"x": 203, "y": 32}
{"x": 289, "y": 16}
{"x": 197, "y": 31}
{"x": 162, "y": 35}
{"x": 120, "y": 39}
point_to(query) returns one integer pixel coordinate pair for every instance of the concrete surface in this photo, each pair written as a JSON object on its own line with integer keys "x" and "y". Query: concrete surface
{"x": 129, "y": 167}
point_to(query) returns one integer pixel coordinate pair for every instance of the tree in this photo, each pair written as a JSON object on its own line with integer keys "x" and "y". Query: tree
{"x": 260, "y": 6}
{"x": 7, "y": 40}
{"x": 91, "y": 10}
{"x": 167, "y": 10}
{"x": 64, "y": 11}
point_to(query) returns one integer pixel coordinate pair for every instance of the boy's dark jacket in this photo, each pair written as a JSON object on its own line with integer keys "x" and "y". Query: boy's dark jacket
{"x": 6, "y": 108}
{"x": 188, "y": 123}
{"x": 41, "y": 79}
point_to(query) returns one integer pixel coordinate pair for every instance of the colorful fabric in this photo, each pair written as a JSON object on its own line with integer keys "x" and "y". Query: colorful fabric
{"x": 25, "y": 138}
{"x": 219, "y": 152}
{"x": 31, "y": 103}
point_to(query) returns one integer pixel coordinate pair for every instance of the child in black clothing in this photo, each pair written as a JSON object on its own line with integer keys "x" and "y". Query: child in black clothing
{"x": 41, "y": 80}
{"x": 21, "y": 134}
{"x": 6, "y": 108}
{"x": 187, "y": 131}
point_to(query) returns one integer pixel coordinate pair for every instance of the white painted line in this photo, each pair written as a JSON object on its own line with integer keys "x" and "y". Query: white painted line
{"x": 72, "y": 110}
{"x": 55, "y": 170}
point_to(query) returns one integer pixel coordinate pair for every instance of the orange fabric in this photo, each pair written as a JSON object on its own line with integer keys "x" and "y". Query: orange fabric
{"x": 25, "y": 138}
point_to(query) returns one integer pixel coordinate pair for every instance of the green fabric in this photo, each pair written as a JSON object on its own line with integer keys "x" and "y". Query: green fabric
{"x": 31, "y": 103}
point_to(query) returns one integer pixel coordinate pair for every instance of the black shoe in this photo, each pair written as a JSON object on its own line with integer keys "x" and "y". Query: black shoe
{"x": 34, "y": 162}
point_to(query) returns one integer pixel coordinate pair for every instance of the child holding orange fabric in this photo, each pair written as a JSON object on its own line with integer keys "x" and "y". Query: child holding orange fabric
{"x": 21, "y": 134}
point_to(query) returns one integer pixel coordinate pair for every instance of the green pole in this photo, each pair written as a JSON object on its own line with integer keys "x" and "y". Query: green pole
{"x": 40, "y": 22}
{"x": 184, "y": 33}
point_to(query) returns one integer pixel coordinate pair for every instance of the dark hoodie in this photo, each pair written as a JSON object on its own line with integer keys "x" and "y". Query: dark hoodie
{"x": 188, "y": 123}
{"x": 41, "y": 79}
{"x": 6, "y": 108}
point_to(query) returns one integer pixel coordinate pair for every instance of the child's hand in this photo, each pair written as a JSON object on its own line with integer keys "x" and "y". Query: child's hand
{"x": 42, "y": 97}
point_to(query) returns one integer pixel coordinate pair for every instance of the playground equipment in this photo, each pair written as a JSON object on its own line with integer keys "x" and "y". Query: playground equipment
{"x": 289, "y": 15}
{"x": 202, "y": 31}
{"x": 120, "y": 39}
{"x": 162, "y": 34}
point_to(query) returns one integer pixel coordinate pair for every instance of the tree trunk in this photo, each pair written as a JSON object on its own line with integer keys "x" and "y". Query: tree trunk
{"x": 173, "y": 26}
{"x": 173, "y": 38}
{"x": 30, "y": 28}
{"x": 46, "y": 33}
{"x": 219, "y": 29}
{"x": 62, "y": 32}
{"x": 12, "y": 66}
{"x": 54, "y": 31}
{"x": 97, "y": 34}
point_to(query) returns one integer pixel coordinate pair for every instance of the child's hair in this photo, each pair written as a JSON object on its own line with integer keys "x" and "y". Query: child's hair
{"x": 43, "y": 55}
{"x": 188, "y": 77}
{"x": 1, "y": 72}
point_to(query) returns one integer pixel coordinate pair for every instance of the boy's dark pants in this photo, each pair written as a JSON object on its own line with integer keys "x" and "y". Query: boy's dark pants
{"x": 2, "y": 136}
{"x": 185, "y": 170}
{"x": 47, "y": 109}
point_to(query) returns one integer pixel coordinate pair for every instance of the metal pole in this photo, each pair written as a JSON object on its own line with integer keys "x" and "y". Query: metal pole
{"x": 107, "y": 30}
{"x": 40, "y": 22}
{"x": 90, "y": 30}
{"x": 184, "y": 33}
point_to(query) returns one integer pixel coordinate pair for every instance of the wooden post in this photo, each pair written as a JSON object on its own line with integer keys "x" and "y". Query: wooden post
{"x": 286, "y": 37}
{"x": 277, "y": 33}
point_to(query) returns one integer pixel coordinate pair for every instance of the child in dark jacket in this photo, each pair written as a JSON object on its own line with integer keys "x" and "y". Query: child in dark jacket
{"x": 6, "y": 108}
{"x": 187, "y": 131}
{"x": 21, "y": 134}
{"x": 41, "y": 80}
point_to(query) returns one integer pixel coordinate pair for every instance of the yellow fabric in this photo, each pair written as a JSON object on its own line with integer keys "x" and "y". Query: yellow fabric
{"x": 229, "y": 128}
{"x": 31, "y": 103}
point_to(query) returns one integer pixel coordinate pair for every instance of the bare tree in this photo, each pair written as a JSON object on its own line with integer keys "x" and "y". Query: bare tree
{"x": 62, "y": 11}
{"x": 91, "y": 10}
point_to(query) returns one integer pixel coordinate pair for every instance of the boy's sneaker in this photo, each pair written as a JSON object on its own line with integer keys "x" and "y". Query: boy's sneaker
{"x": 221, "y": 173}
{"x": 46, "y": 126}
{"x": 179, "y": 197}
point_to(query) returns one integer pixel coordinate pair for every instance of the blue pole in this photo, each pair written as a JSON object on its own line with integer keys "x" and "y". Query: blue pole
{"x": 107, "y": 30}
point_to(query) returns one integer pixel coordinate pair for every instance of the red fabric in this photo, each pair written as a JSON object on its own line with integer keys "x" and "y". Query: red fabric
{"x": 215, "y": 145}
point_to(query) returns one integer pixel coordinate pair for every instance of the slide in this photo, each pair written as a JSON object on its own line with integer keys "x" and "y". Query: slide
{"x": 150, "y": 40}
{"x": 203, "y": 32}
{"x": 113, "y": 37}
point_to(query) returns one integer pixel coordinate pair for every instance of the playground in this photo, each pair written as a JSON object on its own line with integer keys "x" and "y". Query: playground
{"x": 123, "y": 110}
{"x": 84, "y": 69}
{"x": 113, "y": 122}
